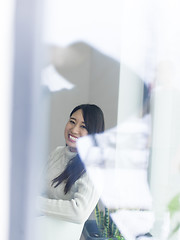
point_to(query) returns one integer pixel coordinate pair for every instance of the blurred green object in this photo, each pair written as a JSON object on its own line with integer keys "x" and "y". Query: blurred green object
{"x": 106, "y": 226}
{"x": 174, "y": 204}
{"x": 174, "y": 207}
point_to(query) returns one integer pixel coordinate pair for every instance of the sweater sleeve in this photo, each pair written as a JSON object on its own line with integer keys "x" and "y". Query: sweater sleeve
{"x": 76, "y": 210}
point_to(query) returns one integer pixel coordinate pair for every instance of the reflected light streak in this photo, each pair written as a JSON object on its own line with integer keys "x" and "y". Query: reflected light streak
{"x": 6, "y": 56}
{"x": 53, "y": 80}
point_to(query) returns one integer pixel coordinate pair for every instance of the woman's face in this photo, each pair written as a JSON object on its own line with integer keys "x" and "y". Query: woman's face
{"x": 74, "y": 129}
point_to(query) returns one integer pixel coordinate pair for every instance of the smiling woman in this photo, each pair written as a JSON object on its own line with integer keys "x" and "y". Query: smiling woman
{"x": 74, "y": 129}
{"x": 68, "y": 193}
{"x": 84, "y": 119}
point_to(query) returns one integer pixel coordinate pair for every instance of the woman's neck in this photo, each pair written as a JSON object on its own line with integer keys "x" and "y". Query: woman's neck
{"x": 72, "y": 149}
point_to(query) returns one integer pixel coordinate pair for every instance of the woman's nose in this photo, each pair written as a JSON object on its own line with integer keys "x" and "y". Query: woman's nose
{"x": 75, "y": 129}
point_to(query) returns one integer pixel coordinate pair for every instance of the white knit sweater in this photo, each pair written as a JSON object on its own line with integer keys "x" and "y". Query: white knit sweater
{"x": 78, "y": 203}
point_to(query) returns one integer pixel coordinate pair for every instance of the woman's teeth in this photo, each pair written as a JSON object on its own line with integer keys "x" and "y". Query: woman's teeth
{"x": 73, "y": 138}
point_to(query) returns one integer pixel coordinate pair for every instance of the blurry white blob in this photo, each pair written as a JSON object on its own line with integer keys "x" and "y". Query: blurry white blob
{"x": 53, "y": 80}
{"x": 133, "y": 223}
{"x": 124, "y": 146}
{"x": 119, "y": 158}
{"x": 122, "y": 188}
{"x": 117, "y": 162}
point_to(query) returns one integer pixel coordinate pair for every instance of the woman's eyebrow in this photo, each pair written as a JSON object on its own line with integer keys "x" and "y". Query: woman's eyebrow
{"x": 73, "y": 118}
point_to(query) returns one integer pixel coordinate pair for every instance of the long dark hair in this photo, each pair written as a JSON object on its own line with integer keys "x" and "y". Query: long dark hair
{"x": 94, "y": 122}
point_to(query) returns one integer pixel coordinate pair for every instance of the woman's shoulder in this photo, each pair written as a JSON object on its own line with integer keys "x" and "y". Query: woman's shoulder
{"x": 57, "y": 150}
{"x": 56, "y": 154}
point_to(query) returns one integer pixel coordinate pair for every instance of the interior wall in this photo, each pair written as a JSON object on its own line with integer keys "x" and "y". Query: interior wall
{"x": 104, "y": 85}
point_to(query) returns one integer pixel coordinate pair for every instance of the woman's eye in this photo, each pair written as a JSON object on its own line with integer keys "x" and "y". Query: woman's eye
{"x": 71, "y": 121}
{"x": 83, "y": 126}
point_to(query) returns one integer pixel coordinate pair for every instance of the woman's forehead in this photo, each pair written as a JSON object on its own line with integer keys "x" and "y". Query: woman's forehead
{"x": 77, "y": 115}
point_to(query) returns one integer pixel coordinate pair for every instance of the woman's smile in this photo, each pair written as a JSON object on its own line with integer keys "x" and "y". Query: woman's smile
{"x": 72, "y": 138}
{"x": 74, "y": 129}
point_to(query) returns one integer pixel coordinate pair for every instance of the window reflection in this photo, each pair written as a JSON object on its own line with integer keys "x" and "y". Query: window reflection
{"x": 129, "y": 67}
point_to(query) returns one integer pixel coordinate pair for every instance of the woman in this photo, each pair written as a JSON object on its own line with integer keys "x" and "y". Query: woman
{"x": 69, "y": 194}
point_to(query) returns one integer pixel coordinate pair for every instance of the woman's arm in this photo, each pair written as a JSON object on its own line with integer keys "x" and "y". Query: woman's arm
{"x": 76, "y": 210}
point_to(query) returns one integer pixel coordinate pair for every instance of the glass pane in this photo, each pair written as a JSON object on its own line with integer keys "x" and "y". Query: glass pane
{"x": 117, "y": 55}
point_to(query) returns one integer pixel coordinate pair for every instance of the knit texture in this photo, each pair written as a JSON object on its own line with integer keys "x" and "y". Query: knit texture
{"x": 75, "y": 206}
